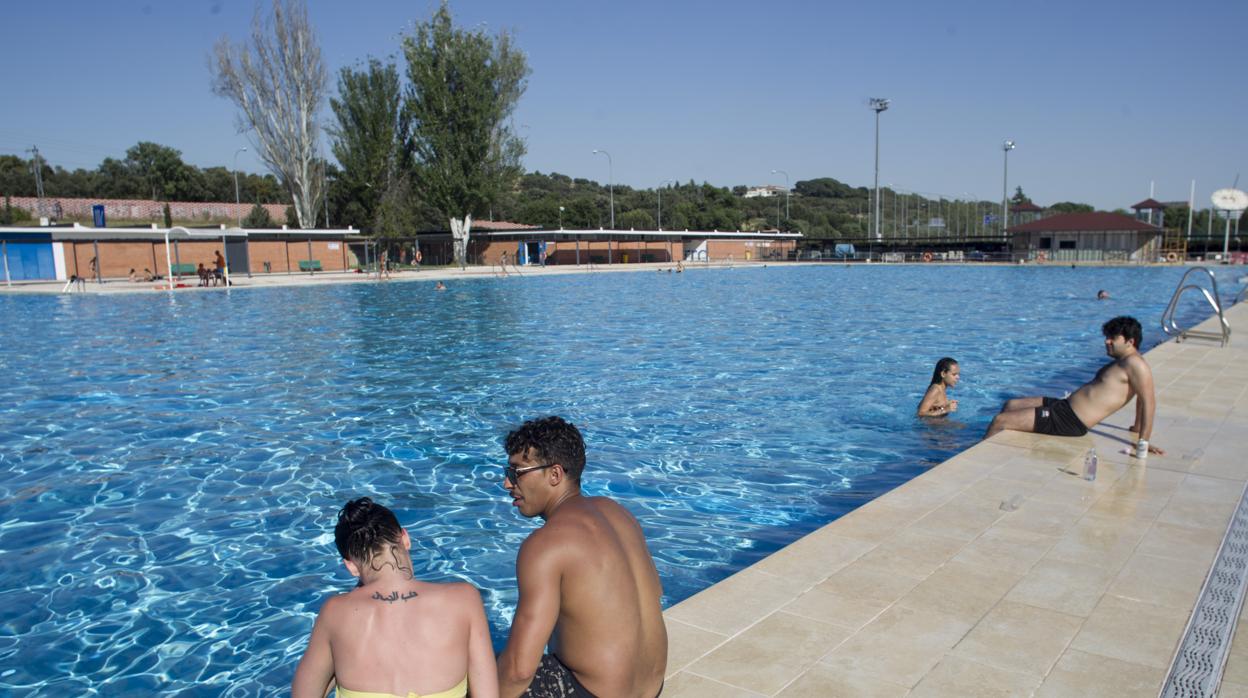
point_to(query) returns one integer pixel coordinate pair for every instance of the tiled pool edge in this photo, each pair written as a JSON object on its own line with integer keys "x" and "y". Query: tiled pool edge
{"x": 929, "y": 586}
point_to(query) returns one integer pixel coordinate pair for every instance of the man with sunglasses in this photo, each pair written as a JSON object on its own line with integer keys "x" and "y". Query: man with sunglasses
{"x": 588, "y": 586}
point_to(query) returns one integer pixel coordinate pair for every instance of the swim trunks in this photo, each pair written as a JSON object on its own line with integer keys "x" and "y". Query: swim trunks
{"x": 555, "y": 680}
{"x": 460, "y": 690}
{"x": 1055, "y": 417}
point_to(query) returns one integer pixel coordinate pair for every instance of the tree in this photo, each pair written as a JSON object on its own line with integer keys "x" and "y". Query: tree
{"x": 462, "y": 88}
{"x": 278, "y": 84}
{"x": 367, "y": 137}
{"x": 396, "y": 214}
{"x": 160, "y": 170}
{"x": 1019, "y": 197}
{"x": 259, "y": 217}
{"x": 1071, "y": 207}
{"x": 636, "y": 219}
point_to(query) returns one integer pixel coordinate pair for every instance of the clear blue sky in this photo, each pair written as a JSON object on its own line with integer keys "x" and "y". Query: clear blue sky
{"x": 1102, "y": 97}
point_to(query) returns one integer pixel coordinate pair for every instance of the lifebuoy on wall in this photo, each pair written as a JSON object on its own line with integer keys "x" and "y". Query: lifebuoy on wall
{"x": 927, "y": 256}
{"x": 1041, "y": 256}
{"x": 1172, "y": 257}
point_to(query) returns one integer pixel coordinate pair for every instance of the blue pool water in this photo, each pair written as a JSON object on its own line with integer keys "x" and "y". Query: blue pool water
{"x": 172, "y": 465}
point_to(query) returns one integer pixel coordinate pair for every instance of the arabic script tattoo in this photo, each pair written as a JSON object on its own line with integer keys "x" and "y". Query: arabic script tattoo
{"x": 394, "y": 596}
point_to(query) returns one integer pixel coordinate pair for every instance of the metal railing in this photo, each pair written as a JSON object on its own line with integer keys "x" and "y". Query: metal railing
{"x": 1171, "y": 326}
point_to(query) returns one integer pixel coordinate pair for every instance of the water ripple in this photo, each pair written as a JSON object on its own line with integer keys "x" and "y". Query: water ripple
{"x": 173, "y": 465}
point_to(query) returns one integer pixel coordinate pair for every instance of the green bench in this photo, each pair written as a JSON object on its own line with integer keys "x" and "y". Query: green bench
{"x": 184, "y": 270}
{"x": 310, "y": 265}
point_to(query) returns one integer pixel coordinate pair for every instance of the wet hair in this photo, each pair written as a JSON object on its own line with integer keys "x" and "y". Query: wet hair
{"x": 364, "y": 528}
{"x": 553, "y": 440}
{"x": 1126, "y": 326}
{"x": 941, "y": 366}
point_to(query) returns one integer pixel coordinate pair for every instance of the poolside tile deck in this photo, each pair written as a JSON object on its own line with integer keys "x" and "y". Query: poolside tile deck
{"x": 1000, "y": 572}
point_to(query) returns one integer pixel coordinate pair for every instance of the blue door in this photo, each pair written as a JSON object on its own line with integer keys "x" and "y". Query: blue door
{"x": 30, "y": 260}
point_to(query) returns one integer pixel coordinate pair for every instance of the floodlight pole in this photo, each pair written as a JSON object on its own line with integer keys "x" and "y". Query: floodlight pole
{"x": 878, "y": 104}
{"x": 660, "y": 226}
{"x": 238, "y": 210}
{"x": 610, "y": 184}
{"x": 786, "y": 194}
{"x": 1006, "y": 146}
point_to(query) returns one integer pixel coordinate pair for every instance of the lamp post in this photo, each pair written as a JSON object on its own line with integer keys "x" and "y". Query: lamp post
{"x": 1006, "y": 147}
{"x": 666, "y": 181}
{"x": 610, "y": 184}
{"x": 237, "y": 207}
{"x": 786, "y": 196}
{"x": 878, "y": 104}
{"x": 561, "y": 218}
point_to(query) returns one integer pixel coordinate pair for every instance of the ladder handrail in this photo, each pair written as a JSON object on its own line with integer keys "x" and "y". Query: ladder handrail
{"x": 1171, "y": 327}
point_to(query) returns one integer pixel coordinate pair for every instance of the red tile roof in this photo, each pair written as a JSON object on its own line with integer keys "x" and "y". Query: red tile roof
{"x": 1098, "y": 222}
{"x": 1149, "y": 203}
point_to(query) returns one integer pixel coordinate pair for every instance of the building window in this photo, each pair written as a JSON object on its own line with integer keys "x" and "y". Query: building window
{"x": 1065, "y": 244}
{"x": 1046, "y": 243}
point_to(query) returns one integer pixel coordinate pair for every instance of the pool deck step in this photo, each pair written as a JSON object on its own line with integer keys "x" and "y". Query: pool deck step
{"x": 1001, "y": 571}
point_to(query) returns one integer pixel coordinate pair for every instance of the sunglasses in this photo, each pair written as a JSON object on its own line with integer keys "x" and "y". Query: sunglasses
{"x": 513, "y": 473}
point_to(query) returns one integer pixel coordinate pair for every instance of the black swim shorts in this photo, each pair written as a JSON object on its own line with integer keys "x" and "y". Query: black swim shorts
{"x": 555, "y": 680}
{"x": 1056, "y": 418}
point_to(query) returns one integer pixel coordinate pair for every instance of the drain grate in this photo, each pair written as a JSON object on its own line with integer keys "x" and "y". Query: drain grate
{"x": 1201, "y": 657}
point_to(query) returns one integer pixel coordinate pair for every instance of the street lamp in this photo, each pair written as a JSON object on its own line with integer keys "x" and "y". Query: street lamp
{"x": 561, "y": 218}
{"x": 878, "y": 104}
{"x": 666, "y": 181}
{"x": 786, "y": 195}
{"x": 1006, "y": 146}
{"x": 610, "y": 184}
{"x": 237, "y": 208}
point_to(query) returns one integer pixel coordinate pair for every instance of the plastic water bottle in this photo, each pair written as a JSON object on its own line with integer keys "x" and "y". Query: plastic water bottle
{"x": 1089, "y": 464}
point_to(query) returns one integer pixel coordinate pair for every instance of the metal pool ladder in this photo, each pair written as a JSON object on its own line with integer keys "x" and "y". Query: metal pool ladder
{"x": 1171, "y": 327}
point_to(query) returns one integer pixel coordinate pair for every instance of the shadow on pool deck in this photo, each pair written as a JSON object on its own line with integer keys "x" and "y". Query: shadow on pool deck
{"x": 1001, "y": 571}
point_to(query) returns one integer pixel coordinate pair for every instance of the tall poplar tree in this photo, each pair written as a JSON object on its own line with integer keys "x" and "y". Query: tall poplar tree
{"x": 368, "y": 139}
{"x": 462, "y": 88}
{"x": 278, "y": 82}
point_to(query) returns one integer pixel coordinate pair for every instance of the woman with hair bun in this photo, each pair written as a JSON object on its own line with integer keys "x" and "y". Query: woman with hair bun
{"x": 394, "y": 635}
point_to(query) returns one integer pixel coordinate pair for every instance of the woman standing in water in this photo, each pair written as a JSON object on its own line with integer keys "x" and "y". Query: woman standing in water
{"x": 936, "y": 402}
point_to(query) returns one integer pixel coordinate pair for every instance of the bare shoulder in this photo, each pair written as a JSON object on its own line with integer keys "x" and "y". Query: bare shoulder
{"x": 1136, "y": 364}
{"x": 335, "y": 606}
{"x": 462, "y": 592}
{"x": 609, "y": 506}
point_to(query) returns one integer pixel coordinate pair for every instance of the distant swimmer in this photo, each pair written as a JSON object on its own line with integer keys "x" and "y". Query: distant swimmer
{"x": 1127, "y": 376}
{"x": 440, "y": 287}
{"x": 936, "y": 402}
{"x": 680, "y": 266}
{"x": 1102, "y": 295}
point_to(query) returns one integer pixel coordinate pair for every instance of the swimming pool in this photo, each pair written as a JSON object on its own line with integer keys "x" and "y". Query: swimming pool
{"x": 172, "y": 465}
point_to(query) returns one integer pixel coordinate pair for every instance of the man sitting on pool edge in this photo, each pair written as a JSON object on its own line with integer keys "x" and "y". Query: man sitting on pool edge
{"x": 1127, "y": 376}
{"x": 588, "y": 586}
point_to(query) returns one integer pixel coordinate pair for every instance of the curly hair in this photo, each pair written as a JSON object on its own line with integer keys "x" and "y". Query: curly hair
{"x": 553, "y": 440}
{"x": 365, "y": 527}
{"x": 1126, "y": 326}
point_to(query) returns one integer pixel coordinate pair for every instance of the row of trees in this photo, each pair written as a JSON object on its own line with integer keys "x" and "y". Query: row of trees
{"x": 435, "y": 147}
{"x": 148, "y": 171}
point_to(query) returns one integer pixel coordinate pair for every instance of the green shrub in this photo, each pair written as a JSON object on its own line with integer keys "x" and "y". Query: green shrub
{"x": 259, "y": 218}
{"x": 10, "y": 215}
